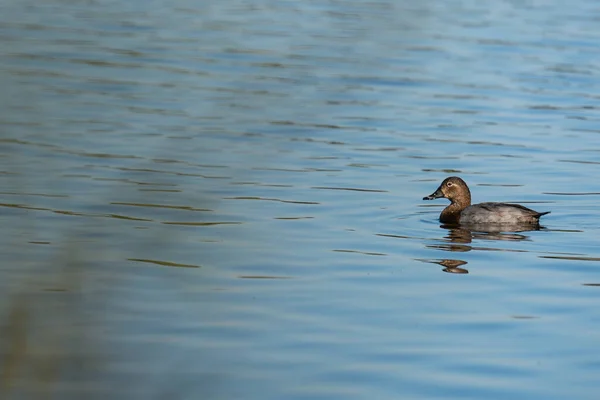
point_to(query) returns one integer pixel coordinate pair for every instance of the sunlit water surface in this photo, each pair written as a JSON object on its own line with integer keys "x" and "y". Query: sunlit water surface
{"x": 224, "y": 201}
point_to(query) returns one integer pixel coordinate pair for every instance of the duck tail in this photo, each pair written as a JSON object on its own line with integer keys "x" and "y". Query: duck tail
{"x": 542, "y": 213}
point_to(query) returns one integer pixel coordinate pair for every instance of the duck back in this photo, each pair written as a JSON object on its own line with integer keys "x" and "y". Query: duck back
{"x": 499, "y": 213}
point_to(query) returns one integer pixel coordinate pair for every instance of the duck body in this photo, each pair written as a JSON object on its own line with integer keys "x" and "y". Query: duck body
{"x": 499, "y": 213}
{"x": 460, "y": 210}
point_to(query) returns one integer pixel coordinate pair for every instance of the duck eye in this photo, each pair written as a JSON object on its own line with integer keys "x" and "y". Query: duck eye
{"x": 449, "y": 184}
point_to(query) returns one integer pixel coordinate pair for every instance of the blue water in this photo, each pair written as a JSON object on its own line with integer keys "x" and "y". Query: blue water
{"x": 224, "y": 200}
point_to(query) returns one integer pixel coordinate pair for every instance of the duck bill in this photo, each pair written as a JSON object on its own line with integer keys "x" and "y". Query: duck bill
{"x": 435, "y": 195}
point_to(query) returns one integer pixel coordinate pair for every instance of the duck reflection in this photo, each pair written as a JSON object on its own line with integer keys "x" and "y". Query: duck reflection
{"x": 450, "y": 266}
{"x": 492, "y": 228}
{"x": 459, "y": 236}
{"x": 453, "y": 266}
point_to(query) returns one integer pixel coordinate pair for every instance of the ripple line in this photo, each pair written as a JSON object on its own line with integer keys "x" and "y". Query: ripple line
{"x": 150, "y": 205}
{"x": 200, "y": 223}
{"x": 368, "y": 253}
{"x": 263, "y": 277}
{"x": 573, "y": 193}
{"x": 351, "y": 189}
{"x": 270, "y": 199}
{"x": 572, "y": 258}
{"x": 163, "y": 263}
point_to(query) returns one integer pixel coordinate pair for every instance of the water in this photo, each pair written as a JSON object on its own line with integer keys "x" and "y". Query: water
{"x": 224, "y": 200}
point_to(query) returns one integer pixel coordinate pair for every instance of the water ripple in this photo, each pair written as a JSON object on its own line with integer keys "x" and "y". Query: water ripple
{"x": 186, "y": 208}
{"x": 164, "y": 263}
{"x": 270, "y": 199}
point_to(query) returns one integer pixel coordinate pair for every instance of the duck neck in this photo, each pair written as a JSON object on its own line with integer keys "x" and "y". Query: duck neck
{"x": 462, "y": 202}
{"x": 451, "y": 214}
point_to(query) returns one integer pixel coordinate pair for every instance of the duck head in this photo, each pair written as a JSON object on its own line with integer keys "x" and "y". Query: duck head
{"x": 454, "y": 189}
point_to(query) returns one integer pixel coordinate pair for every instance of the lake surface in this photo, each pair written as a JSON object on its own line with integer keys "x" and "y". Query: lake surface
{"x": 223, "y": 200}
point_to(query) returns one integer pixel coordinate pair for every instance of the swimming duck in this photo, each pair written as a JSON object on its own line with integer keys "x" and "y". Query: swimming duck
{"x": 460, "y": 210}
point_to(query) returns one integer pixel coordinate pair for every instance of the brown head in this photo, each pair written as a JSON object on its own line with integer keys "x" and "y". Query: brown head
{"x": 455, "y": 190}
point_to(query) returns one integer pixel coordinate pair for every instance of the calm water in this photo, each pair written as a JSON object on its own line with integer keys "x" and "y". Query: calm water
{"x": 223, "y": 201}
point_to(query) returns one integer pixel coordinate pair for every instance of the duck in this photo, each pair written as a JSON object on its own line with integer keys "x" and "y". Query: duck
{"x": 460, "y": 211}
